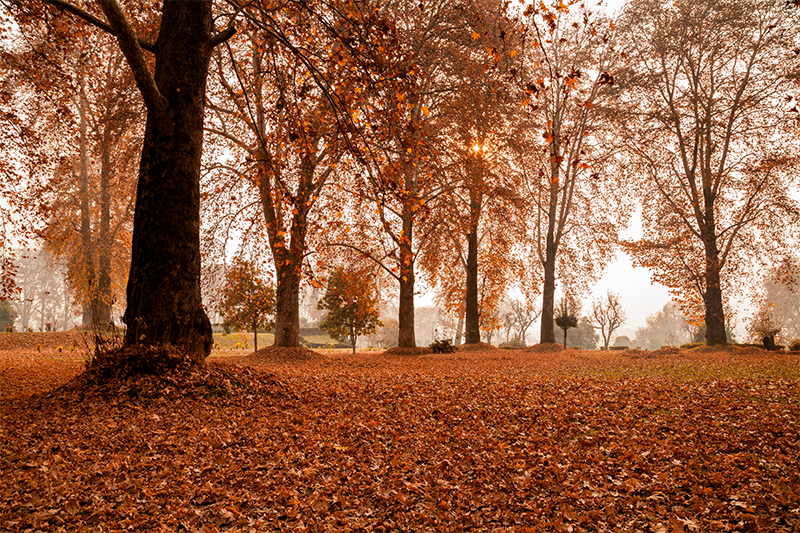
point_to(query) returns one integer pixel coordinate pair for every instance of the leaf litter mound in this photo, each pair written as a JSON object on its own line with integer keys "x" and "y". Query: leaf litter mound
{"x": 545, "y": 347}
{"x": 567, "y": 442}
{"x": 398, "y": 350}
{"x": 282, "y": 354}
{"x": 477, "y": 347}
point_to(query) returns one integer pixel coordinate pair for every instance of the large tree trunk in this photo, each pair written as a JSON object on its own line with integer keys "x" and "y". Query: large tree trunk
{"x": 163, "y": 294}
{"x": 406, "y": 335}
{"x": 715, "y": 314}
{"x": 473, "y": 319}
{"x": 547, "y": 333}
{"x": 287, "y": 305}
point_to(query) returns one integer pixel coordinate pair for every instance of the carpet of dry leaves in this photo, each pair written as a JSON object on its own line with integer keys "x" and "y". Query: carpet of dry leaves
{"x": 492, "y": 440}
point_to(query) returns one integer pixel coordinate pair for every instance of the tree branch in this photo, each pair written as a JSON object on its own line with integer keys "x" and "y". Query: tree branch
{"x": 129, "y": 45}
{"x": 223, "y": 36}
{"x": 91, "y": 19}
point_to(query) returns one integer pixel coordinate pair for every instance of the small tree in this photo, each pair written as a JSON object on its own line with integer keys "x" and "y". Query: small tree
{"x": 608, "y": 316}
{"x": 524, "y": 314}
{"x": 623, "y": 341}
{"x": 352, "y": 303}
{"x": 763, "y": 326}
{"x": 566, "y": 316}
{"x": 7, "y": 316}
{"x": 248, "y": 302}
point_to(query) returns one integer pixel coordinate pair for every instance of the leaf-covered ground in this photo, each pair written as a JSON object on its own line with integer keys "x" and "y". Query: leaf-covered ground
{"x": 493, "y": 440}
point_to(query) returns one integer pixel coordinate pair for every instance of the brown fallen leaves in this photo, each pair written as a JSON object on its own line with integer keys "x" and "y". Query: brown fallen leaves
{"x": 499, "y": 440}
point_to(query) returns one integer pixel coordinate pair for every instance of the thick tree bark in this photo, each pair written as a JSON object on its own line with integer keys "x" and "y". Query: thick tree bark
{"x": 287, "y": 305}
{"x": 715, "y": 314}
{"x": 287, "y": 260}
{"x": 163, "y": 294}
{"x": 473, "y": 318}
{"x": 547, "y": 333}
{"x": 406, "y": 335}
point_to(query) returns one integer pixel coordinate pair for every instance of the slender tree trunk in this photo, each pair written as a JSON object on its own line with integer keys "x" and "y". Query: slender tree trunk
{"x": 473, "y": 319}
{"x": 547, "y": 334}
{"x": 459, "y": 330}
{"x": 163, "y": 294}
{"x": 87, "y": 245}
{"x": 406, "y": 335}
{"x": 255, "y": 337}
{"x": 101, "y": 302}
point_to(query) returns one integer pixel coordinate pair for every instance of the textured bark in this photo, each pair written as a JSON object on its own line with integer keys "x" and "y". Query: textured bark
{"x": 547, "y": 333}
{"x": 715, "y": 314}
{"x": 473, "y": 315}
{"x": 86, "y": 215}
{"x": 164, "y": 303}
{"x": 555, "y": 226}
{"x": 406, "y": 335}
{"x": 101, "y": 298}
{"x": 287, "y": 260}
{"x": 459, "y": 330}
{"x": 287, "y": 306}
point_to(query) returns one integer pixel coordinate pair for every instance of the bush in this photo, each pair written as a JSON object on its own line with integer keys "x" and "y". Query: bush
{"x": 513, "y": 343}
{"x": 617, "y": 347}
{"x": 795, "y": 345}
{"x": 691, "y": 345}
{"x": 442, "y": 346}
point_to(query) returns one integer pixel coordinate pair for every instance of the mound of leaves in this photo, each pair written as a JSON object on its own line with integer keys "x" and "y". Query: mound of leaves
{"x": 282, "y": 354}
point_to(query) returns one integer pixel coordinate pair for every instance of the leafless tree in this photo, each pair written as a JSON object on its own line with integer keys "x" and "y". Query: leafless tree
{"x": 608, "y": 315}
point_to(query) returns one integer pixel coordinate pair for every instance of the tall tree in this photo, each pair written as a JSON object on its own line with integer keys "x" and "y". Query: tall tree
{"x": 707, "y": 127}
{"x": 87, "y": 125}
{"x": 575, "y": 203}
{"x": 282, "y": 125}
{"x": 163, "y": 294}
{"x": 479, "y": 183}
{"x": 400, "y": 136}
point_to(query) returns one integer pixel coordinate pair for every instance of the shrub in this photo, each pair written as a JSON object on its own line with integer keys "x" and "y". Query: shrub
{"x": 691, "y": 345}
{"x": 442, "y": 346}
{"x": 795, "y": 345}
{"x": 513, "y": 343}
